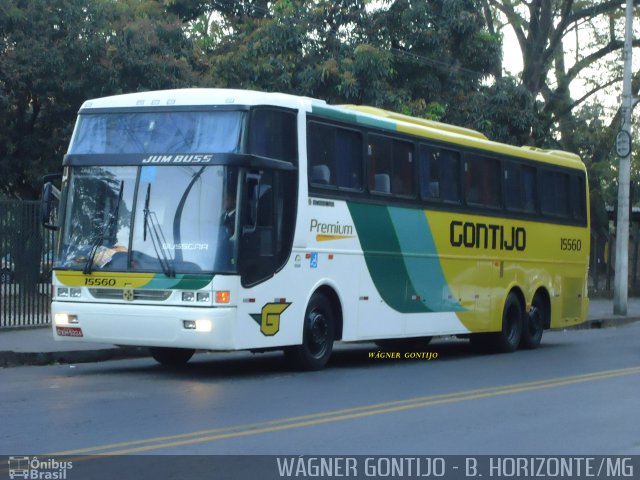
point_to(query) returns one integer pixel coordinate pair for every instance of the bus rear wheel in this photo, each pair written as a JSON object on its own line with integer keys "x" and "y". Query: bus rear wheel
{"x": 508, "y": 339}
{"x": 317, "y": 336}
{"x": 171, "y": 357}
{"x": 534, "y": 323}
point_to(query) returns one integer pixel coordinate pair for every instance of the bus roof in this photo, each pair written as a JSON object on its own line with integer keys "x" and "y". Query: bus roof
{"x": 200, "y": 97}
{"x": 364, "y": 115}
{"x": 451, "y": 133}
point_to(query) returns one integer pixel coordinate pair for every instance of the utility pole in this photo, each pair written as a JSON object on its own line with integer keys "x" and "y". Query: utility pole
{"x": 623, "y": 149}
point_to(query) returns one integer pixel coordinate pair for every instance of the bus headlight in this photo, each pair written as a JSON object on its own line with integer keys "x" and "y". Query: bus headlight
{"x": 200, "y": 297}
{"x": 203, "y": 297}
{"x": 66, "y": 292}
{"x": 201, "y": 325}
{"x": 188, "y": 296}
{"x": 64, "y": 319}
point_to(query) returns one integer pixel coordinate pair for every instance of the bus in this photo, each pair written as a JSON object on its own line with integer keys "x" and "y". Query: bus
{"x": 221, "y": 220}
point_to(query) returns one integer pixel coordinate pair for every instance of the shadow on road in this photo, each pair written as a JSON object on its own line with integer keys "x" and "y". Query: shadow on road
{"x": 244, "y": 365}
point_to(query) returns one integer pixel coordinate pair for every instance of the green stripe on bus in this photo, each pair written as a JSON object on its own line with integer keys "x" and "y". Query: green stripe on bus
{"x": 421, "y": 259}
{"x": 402, "y": 259}
{"x": 383, "y": 257}
{"x": 180, "y": 282}
{"x": 352, "y": 117}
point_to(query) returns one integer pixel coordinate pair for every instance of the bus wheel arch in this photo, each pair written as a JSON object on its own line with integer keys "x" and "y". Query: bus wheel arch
{"x": 322, "y": 325}
{"x": 536, "y": 320}
{"x": 508, "y": 338}
{"x": 336, "y": 304}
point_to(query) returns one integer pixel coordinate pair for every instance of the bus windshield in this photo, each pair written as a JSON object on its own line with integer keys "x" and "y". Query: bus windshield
{"x": 157, "y": 132}
{"x": 170, "y": 219}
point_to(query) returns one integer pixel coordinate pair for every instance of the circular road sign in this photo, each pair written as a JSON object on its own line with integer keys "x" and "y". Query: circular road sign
{"x": 623, "y": 143}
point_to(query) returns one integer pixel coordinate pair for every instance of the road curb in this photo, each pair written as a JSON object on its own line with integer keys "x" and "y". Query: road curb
{"x": 606, "y": 322}
{"x": 19, "y": 359}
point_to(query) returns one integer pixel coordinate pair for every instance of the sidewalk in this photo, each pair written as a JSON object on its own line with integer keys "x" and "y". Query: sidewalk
{"x": 36, "y": 346}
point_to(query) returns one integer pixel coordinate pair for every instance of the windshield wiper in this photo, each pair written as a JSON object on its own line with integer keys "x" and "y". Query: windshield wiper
{"x": 146, "y": 214}
{"x": 177, "y": 219}
{"x": 108, "y": 225}
{"x": 158, "y": 239}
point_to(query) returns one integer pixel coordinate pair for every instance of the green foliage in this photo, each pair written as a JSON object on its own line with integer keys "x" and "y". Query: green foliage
{"x": 437, "y": 59}
{"x": 54, "y": 54}
{"x": 421, "y": 58}
{"x": 504, "y": 111}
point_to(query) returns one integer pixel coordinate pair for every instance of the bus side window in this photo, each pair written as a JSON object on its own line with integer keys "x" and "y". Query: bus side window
{"x": 320, "y": 152}
{"x": 482, "y": 181}
{"x": 379, "y": 161}
{"x": 264, "y": 249}
{"x": 390, "y": 166}
{"x": 335, "y": 156}
{"x": 578, "y": 200}
{"x": 520, "y": 188}
{"x": 348, "y": 157}
{"x": 439, "y": 174}
{"x": 402, "y": 176}
{"x": 554, "y": 196}
{"x": 273, "y": 134}
{"x": 256, "y": 257}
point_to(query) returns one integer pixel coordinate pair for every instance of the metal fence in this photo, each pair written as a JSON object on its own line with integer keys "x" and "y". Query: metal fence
{"x": 26, "y": 257}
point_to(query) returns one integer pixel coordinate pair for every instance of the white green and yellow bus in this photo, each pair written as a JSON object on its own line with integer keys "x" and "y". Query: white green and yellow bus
{"x": 214, "y": 219}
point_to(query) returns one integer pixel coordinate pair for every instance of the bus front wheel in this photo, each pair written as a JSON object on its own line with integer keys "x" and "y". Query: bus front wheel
{"x": 317, "y": 336}
{"x": 171, "y": 357}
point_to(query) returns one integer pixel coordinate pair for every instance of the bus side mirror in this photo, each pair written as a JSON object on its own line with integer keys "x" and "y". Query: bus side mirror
{"x": 50, "y": 196}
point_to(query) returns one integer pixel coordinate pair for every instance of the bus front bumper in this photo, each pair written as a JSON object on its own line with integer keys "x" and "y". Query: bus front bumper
{"x": 210, "y": 328}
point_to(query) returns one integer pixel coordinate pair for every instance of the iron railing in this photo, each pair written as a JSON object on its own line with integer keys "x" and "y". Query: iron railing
{"x": 26, "y": 257}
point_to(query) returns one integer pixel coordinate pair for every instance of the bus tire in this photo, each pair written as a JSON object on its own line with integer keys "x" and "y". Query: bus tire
{"x": 533, "y": 324}
{"x": 171, "y": 357}
{"x": 508, "y": 339}
{"x": 317, "y": 336}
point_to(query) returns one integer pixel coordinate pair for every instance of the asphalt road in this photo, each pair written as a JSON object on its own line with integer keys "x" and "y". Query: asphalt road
{"x": 577, "y": 394}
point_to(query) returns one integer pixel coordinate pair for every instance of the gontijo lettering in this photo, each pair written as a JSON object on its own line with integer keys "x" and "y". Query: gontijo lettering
{"x": 487, "y": 236}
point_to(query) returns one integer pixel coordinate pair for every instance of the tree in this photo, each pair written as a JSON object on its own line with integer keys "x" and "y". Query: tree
{"x": 543, "y": 30}
{"x": 564, "y": 43}
{"x": 54, "y": 54}
{"x": 422, "y": 58}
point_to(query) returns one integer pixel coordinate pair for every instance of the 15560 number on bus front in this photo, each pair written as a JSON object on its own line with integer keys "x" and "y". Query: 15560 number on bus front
{"x": 100, "y": 282}
{"x": 570, "y": 244}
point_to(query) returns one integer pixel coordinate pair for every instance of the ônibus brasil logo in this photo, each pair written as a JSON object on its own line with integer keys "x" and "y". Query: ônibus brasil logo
{"x": 36, "y": 469}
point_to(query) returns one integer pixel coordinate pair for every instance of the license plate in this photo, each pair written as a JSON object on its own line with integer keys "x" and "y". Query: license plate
{"x": 69, "y": 331}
